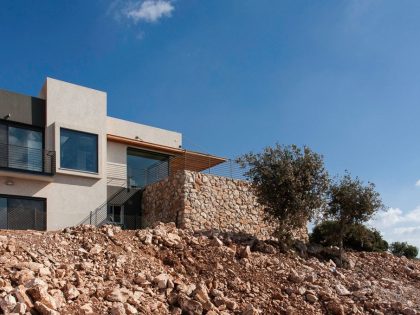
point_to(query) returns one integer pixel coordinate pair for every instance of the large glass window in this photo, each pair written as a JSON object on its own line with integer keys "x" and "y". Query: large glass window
{"x": 21, "y": 213}
{"x": 21, "y": 147}
{"x": 146, "y": 167}
{"x": 78, "y": 150}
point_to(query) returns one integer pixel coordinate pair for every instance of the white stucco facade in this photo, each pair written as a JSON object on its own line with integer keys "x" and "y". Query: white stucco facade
{"x": 71, "y": 194}
{"x": 131, "y": 130}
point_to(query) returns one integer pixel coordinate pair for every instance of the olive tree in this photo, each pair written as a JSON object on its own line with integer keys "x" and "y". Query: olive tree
{"x": 404, "y": 249}
{"x": 290, "y": 183}
{"x": 351, "y": 202}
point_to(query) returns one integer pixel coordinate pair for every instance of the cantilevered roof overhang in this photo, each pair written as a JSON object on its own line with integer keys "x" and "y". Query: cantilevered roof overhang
{"x": 181, "y": 159}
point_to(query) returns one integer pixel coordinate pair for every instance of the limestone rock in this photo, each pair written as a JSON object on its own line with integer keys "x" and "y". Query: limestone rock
{"x": 116, "y": 295}
{"x": 342, "y": 290}
{"x": 188, "y": 272}
{"x": 39, "y": 294}
{"x": 161, "y": 280}
{"x": 245, "y": 252}
{"x": 7, "y": 303}
{"x": 190, "y": 306}
{"x": 44, "y": 309}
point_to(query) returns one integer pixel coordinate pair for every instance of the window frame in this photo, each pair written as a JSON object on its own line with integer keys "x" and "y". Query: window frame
{"x": 61, "y": 128}
{"x": 14, "y": 124}
{"x": 111, "y": 214}
{"x": 43, "y": 200}
{"x": 146, "y": 154}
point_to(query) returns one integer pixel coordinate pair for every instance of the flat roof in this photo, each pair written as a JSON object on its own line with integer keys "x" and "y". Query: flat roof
{"x": 181, "y": 158}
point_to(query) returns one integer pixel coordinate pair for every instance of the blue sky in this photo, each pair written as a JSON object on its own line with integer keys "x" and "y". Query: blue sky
{"x": 342, "y": 77}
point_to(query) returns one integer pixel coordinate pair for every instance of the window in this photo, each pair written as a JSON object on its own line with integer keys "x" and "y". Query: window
{"x": 116, "y": 214}
{"x": 22, "y": 213}
{"x": 78, "y": 150}
{"x": 3, "y": 213}
{"x": 25, "y": 149}
{"x": 3, "y": 146}
{"x": 145, "y": 168}
{"x": 21, "y": 147}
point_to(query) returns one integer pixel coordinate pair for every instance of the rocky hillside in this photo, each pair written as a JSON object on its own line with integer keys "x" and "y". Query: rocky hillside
{"x": 88, "y": 270}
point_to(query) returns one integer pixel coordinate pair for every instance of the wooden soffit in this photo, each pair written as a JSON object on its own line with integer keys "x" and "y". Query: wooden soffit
{"x": 181, "y": 159}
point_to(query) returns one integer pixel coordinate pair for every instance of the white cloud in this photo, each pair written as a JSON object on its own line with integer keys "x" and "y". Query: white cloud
{"x": 388, "y": 218}
{"x": 407, "y": 230}
{"x": 397, "y": 225}
{"x": 418, "y": 183}
{"x": 149, "y": 10}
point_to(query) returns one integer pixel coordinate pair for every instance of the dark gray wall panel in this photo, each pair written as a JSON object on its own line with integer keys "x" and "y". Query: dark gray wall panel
{"x": 24, "y": 109}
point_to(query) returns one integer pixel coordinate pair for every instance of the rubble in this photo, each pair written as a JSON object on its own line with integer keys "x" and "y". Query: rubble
{"x": 164, "y": 270}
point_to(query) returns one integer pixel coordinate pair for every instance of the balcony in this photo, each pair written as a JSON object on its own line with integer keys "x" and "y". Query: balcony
{"x": 122, "y": 175}
{"x": 26, "y": 160}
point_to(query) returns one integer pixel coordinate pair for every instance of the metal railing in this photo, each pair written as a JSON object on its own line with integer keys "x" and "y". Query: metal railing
{"x": 27, "y": 159}
{"x": 208, "y": 164}
{"x": 120, "y": 174}
{"x": 100, "y": 215}
{"x": 131, "y": 180}
{"x": 127, "y": 176}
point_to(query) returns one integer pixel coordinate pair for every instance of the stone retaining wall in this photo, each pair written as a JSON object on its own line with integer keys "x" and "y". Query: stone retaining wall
{"x": 164, "y": 201}
{"x": 205, "y": 202}
{"x": 214, "y": 202}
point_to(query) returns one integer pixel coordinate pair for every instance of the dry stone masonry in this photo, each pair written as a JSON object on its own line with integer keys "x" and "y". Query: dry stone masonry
{"x": 214, "y": 202}
{"x": 164, "y": 201}
{"x": 204, "y": 202}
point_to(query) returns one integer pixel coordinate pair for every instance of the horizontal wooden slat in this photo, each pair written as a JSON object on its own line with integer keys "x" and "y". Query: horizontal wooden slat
{"x": 181, "y": 159}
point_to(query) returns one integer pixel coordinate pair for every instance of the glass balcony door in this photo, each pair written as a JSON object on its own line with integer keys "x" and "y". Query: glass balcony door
{"x": 145, "y": 167}
{"x": 25, "y": 149}
{"x": 21, "y": 147}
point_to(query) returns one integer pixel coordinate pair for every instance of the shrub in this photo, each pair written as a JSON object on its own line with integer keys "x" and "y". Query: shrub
{"x": 358, "y": 237}
{"x": 404, "y": 249}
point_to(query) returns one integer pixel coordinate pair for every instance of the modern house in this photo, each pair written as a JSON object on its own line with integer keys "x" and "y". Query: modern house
{"x": 63, "y": 161}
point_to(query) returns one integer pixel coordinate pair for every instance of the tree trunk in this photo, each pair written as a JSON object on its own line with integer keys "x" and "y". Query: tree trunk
{"x": 341, "y": 252}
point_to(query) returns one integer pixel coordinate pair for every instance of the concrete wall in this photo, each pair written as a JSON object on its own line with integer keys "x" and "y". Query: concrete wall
{"x": 132, "y": 130}
{"x": 73, "y": 194}
{"x": 116, "y": 165}
{"x": 70, "y": 194}
{"x": 22, "y": 108}
{"x": 69, "y": 198}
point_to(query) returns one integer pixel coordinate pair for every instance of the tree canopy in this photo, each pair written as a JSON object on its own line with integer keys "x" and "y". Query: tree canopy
{"x": 404, "y": 249}
{"x": 290, "y": 182}
{"x": 351, "y": 202}
{"x": 357, "y": 237}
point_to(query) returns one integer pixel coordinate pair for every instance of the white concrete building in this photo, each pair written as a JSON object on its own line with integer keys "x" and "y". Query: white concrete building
{"x": 63, "y": 161}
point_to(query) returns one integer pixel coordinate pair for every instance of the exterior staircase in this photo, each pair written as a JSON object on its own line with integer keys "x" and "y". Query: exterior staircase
{"x": 128, "y": 199}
